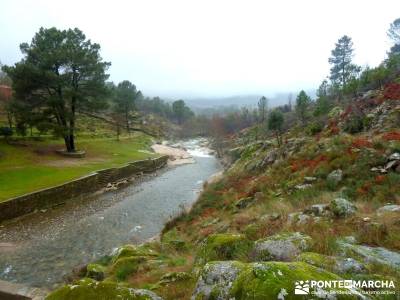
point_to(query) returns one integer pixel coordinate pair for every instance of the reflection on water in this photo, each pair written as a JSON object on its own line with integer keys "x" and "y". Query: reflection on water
{"x": 47, "y": 245}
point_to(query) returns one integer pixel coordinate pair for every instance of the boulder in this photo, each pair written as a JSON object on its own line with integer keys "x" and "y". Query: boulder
{"x": 263, "y": 280}
{"x": 341, "y": 207}
{"x": 281, "y": 247}
{"x": 244, "y": 202}
{"x": 95, "y": 271}
{"x": 335, "y": 176}
{"x": 390, "y": 208}
{"x": 368, "y": 254}
{"x": 341, "y": 265}
{"x": 216, "y": 280}
{"x": 89, "y": 289}
{"x": 317, "y": 209}
{"x": 223, "y": 247}
{"x": 174, "y": 277}
{"x": 131, "y": 250}
{"x": 298, "y": 218}
{"x": 394, "y": 156}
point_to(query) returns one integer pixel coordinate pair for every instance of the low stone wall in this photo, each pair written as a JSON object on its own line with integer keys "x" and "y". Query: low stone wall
{"x": 53, "y": 196}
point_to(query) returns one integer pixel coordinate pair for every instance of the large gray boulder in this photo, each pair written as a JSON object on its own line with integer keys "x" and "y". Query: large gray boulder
{"x": 281, "y": 247}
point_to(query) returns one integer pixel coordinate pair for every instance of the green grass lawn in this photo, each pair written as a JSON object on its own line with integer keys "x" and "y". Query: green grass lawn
{"x": 33, "y": 165}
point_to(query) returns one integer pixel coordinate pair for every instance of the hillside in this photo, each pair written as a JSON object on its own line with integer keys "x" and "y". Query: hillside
{"x": 323, "y": 206}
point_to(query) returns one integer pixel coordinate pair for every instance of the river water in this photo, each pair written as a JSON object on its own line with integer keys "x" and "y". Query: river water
{"x": 41, "y": 249}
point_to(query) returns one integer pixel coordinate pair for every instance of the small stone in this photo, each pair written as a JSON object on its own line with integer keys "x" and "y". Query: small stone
{"x": 309, "y": 179}
{"x": 335, "y": 176}
{"x": 244, "y": 202}
{"x": 302, "y": 186}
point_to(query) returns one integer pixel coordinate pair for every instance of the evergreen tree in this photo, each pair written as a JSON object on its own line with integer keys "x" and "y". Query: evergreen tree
{"x": 303, "y": 102}
{"x": 262, "y": 108}
{"x": 275, "y": 123}
{"x": 61, "y": 74}
{"x": 341, "y": 60}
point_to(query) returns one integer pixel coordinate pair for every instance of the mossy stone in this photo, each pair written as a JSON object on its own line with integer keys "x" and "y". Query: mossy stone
{"x": 131, "y": 251}
{"x": 224, "y": 247}
{"x": 126, "y": 266}
{"x": 95, "y": 271}
{"x": 88, "y": 289}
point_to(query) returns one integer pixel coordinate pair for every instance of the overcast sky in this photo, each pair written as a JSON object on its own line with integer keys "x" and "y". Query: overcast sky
{"x": 211, "y": 48}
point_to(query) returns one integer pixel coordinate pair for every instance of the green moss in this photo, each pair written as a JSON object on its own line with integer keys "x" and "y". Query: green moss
{"x": 172, "y": 239}
{"x": 126, "y": 266}
{"x": 131, "y": 251}
{"x": 88, "y": 289}
{"x": 266, "y": 280}
{"x": 95, "y": 271}
{"x": 174, "y": 277}
{"x": 224, "y": 247}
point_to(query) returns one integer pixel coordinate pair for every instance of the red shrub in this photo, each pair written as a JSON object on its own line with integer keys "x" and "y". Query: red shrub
{"x": 361, "y": 143}
{"x": 392, "y": 91}
{"x": 392, "y": 136}
{"x": 379, "y": 179}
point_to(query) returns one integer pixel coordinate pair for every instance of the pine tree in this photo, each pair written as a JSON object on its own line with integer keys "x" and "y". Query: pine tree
{"x": 341, "y": 60}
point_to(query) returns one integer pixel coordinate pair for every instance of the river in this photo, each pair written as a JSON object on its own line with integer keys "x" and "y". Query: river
{"x": 41, "y": 249}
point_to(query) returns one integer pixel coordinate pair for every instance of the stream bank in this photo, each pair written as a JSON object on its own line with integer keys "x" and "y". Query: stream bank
{"x": 36, "y": 247}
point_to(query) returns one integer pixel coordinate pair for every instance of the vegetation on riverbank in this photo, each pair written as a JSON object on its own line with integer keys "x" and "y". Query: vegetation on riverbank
{"x": 28, "y": 165}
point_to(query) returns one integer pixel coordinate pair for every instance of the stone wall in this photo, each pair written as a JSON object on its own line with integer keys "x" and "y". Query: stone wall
{"x": 53, "y": 196}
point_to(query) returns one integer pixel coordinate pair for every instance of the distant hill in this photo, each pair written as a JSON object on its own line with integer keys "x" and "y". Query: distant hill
{"x": 243, "y": 100}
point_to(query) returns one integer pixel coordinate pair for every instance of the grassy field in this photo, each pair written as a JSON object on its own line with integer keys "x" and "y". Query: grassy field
{"x": 28, "y": 166}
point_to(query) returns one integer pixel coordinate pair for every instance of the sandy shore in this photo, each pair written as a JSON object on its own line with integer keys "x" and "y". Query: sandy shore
{"x": 177, "y": 156}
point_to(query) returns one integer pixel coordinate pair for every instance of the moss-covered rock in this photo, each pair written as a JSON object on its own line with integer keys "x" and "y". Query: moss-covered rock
{"x": 216, "y": 279}
{"x": 375, "y": 255}
{"x": 341, "y": 207}
{"x": 244, "y": 202}
{"x": 126, "y": 266}
{"x": 88, "y": 289}
{"x": 95, "y": 271}
{"x": 340, "y": 265}
{"x": 266, "y": 280}
{"x": 223, "y": 247}
{"x": 281, "y": 247}
{"x": 174, "y": 277}
{"x": 131, "y": 250}
{"x": 172, "y": 239}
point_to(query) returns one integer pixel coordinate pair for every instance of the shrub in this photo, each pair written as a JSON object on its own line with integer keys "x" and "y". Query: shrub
{"x": 314, "y": 128}
{"x": 6, "y": 132}
{"x": 354, "y": 124}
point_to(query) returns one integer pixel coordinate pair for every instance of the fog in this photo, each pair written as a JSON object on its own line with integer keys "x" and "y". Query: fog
{"x": 210, "y": 49}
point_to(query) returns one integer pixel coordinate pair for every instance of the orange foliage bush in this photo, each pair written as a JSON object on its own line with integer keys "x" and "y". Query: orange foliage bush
{"x": 392, "y": 136}
{"x": 361, "y": 143}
